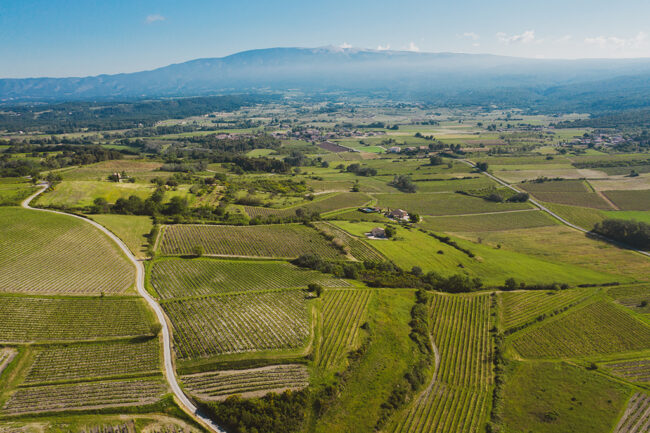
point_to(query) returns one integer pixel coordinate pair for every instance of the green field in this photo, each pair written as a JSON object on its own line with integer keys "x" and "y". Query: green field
{"x": 285, "y": 241}
{"x": 641, "y": 216}
{"x": 492, "y": 265}
{"x": 132, "y": 229}
{"x": 181, "y": 278}
{"x": 47, "y": 253}
{"x": 13, "y": 192}
{"x": 444, "y": 204}
{"x": 79, "y": 194}
{"x": 580, "y": 216}
{"x": 327, "y": 204}
{"x": 630, "y": 200}
{"x": 489, "y": 222}
{"x": 552, "y": 397}
{"x": 598, "y": 328}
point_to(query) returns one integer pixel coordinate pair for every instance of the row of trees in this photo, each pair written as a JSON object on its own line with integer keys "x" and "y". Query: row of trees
{"x": 634, "y": 233}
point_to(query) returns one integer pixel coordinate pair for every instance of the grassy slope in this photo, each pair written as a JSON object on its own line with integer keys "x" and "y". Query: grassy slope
{"x": 130, "y": 228}
{"x": 384, "y": 363}
{"x": 493, "y": 266}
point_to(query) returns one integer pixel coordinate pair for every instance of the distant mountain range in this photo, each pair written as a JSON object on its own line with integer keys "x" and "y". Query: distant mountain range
{"x": 445, "y": 76}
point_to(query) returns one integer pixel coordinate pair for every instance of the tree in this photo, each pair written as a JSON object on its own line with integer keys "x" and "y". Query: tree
{"x": 389, "y": 231}
{"x": 482, "y": 166}
{"x": 510, "y": 284}
{"x": 436, "y": 160}
{"x": 155, "y": 328}
{"x": 198, "y": 250}
{"x": 414, "y": 218}
{"x": 315, "y": 288}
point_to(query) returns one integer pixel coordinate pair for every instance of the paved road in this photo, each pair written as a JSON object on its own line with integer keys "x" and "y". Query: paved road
{"x": 170, "y": 372}
{"x": 550, "y": 212}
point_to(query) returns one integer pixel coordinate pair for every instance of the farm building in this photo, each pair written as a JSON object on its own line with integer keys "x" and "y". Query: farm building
{"x": 378, "y": 232}
{"x": 394, "y": 149}
{"x": 398, "y": 214}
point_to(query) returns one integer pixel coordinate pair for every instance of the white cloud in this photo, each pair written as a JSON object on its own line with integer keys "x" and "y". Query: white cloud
{"x": 618, "y": 42}
{"x": 345, "y": 45}
{"x": 471, "y": 35}
{"x": 383, "y": 47}
{"x": 413, "y": 47}
{"x": 563, "y": 39}
{"x": 153, "y": 18}
{"x": 524, "y": 38}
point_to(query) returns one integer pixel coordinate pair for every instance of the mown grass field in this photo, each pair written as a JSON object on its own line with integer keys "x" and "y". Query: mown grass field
{"x": 24, "y": 319}
{"x": 47, "y": 253}
{"x": 489, "y": 222}
{"x": 556, "y": 397}
{"x": 444, "y": 204}
{"x": 132, "y": 229}
{"x": 284, "y": 241}
{"x": 245, "y": 322}
{"x": 598, "y": 328}
{"x": 12, "y": 192}
{"x": 492, "y": 265}
{"x": 457, "y": 401}
{"x": 181, "y": 278}
{"x": 79, "y": 194}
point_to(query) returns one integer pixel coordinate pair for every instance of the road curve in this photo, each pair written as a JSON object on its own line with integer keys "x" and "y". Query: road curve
{"x": 170, "y": 372}
{"x": 550, "y": 212}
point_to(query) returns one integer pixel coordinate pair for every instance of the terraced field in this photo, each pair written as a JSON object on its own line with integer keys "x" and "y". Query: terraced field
{"x": 598, "y": 328}
{"x": 333, "y": 202}
{"x": 239, "y": 323}
{"x": 247, "y": 383}
{"x": 489, "y": 222}
{"x": 24, "y": 319}
{"x": 634, "y": 371}
{"x": 523, "y": 308}
{"x": 636, "y": 418}
{"x": 177, "y": 278}
{"x": 458, "y": 399}
{"x": 343, "y": 314}
{"x": 46, "y": 253}
{"x": 357, "y": 247}
{"x": 286, "y": 241}
{"x": 59, "y": 398}
{"x": 444, "y": 204}
{"x": 88, "y": 361}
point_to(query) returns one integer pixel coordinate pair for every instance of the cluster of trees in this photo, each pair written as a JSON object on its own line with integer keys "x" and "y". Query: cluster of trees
{"x": 404, "y": 183}
{"x": 360, "y": 170}
{"x": 634, "y": 233}
{"x": 234, "y": 144}
{"x": 259, "y": 164}
{"x": 273, "y": 413}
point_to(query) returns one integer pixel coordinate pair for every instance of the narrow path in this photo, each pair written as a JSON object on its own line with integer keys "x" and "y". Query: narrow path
{"x": 170, "y": 372}
{"x": 551, "y": 213}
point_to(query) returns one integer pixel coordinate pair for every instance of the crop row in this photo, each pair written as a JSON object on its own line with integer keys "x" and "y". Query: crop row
{"x": 634, "y": 371}
{"x": 331, "y": 203}
{"x": 598, "y": 328}
{"x": 636, "y": 418}
{"x": 460, "y": 329}
{"x": 585, "y": 199}
{"x": 357, "y": 247}
{"x": 175, "y": 278}
{"x": 287, "y": 240}
{"x": 343, "y": 311}
{"x": 58, "y": 398}
{"x": 630, "y": 200}
{"x": 248, "y": 383}
{"x": 521, "y": 308}
{"x": 446, "y": 409}
{"x": 45, "y": 253}
{"x": 239, "y": 323}
{"x": 77, "y": 362}
{"x": 25, "y": 319}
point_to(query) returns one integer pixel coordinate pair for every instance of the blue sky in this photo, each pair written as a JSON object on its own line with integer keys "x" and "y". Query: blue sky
{"x": 89, "y": 37}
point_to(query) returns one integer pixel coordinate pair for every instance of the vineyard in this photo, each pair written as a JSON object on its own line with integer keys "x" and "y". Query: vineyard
{"x": 247, "y": 383}
{"x": 523, "y": 308}
{"x": 239, "y": 323}
{"x": 584, "y": 199}
{"x": 598, "y": 328}
{"x": 634, "y": 371}
{"x": 333, "y": 202}
{"x": 630, "y": 200}
{"x": 489, "y": 222}
{"x": 175, "y": 278}
{"x": 357, "y": 247}
{"x": 636, "y": 418}
{"x": 287, "y": 240}
{"x": 88, "y": 361}
{"x": 81, "y": 396}
{"x": 458, "y": 399}
{"x": 632, "y": 297}
{"x": 46, "y": 253}
{"x": 25, "y": 319}
{"x": 7, "y": 354}
{"x": 343, "y": 313}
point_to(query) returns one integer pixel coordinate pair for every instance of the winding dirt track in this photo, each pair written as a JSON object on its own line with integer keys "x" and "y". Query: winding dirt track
{"x": 170, "y": 372}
